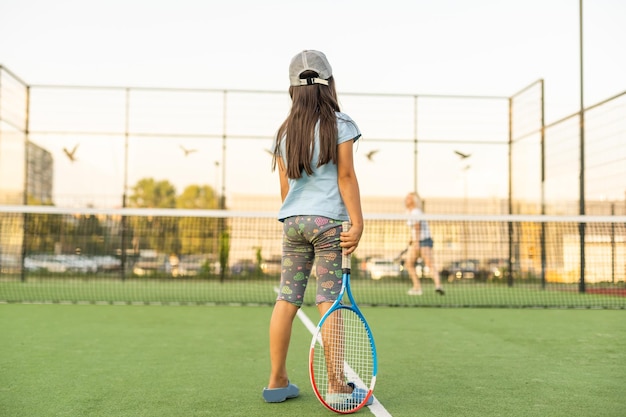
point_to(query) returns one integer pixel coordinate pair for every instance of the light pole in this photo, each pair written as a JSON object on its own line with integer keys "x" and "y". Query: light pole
{"x": 217, "y": 176}
{"x": 466, "y": 210}
{"x": 464, "y": 157}
{"x": 124, "y": 222}
{"x": 465, "y": 189}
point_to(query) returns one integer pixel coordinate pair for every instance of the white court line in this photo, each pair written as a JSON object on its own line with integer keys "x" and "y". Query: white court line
{"x": 376, "y": 408}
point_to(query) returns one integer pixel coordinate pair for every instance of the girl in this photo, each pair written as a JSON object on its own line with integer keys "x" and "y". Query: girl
{"x": 421, "y": 241}
{"x": 319, "y": 190}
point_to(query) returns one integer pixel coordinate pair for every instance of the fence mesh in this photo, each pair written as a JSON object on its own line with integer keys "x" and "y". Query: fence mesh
{"x": 526, "y": 127}
{"x": 105, "y": 147}
{"x": 605, "y": 157}
{"x": 222, "y": 257}
{"x": 119, "y": 136}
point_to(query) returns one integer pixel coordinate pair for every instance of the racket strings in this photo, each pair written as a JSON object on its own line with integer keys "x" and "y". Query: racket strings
{"x": 344, "y": 354}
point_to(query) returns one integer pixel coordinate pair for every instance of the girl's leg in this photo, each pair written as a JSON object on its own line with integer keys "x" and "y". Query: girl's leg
{"x": 280, "y": 335}
{"x": 410, "y": 267}
{"x": 427, "y": 252}
{"x": 295, "y": 269}
{"x": 329, "y": 283}
{"x": 332, "y": 337}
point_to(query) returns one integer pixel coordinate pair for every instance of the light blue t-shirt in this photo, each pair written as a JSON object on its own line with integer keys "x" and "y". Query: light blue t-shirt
{"x": 318, "y": 194}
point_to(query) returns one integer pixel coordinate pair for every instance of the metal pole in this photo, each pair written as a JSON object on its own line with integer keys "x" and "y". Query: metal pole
{"x": 581, "y": 226}
{"x": 509, "y": 273}
{"x": 25, "y": 217}
{"x": 543, "y": 190}
{"x": 125, "y": 191}
{"x": 415, "y": 184}
{"x": 222, "y": 235}
{"x": 217, "y": 182}
{"x": 466, "y": 212}
{"x": 223, "y": 196}
{"x": 613, "y": 255}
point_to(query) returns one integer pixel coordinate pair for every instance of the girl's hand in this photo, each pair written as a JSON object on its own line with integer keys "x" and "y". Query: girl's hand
{"x": 350, "y": 239}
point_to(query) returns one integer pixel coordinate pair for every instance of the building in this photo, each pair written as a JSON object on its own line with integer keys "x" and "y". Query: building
{"x": 40, "y": 175}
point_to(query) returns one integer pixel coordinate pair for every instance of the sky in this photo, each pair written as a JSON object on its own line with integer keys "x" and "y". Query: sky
{"x": 464, "y": 47}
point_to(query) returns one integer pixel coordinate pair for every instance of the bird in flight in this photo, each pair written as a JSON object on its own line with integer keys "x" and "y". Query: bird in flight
{"x": 463, "y": 155}
{"x": 70, "y": 154}
{"x": 188, "y": 151}
{"x": 370, "y": 155}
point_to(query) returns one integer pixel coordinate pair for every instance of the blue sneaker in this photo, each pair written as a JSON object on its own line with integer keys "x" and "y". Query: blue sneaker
{"x": 345, "y": 401}
{"x": 278, "y": 395}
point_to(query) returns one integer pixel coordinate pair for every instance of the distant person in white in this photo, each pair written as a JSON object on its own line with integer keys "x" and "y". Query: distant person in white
{"x": 421, "y": 243}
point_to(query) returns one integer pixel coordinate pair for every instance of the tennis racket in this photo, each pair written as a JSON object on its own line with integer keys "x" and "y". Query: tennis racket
{"x": 342, "y": 358}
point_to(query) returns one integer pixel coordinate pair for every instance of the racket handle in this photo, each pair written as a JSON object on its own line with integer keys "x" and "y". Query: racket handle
{"x": 345, "y": 259}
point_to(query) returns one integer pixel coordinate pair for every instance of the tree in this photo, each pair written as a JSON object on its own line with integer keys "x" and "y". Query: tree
{"x": 158, "y": 233}
{"x": 89, "y": 235}
{"x": 150, "y": 193}
{"x": 41, "y": 230}
{"x": 198, "y": 234}
{"x": 198, "y": 197}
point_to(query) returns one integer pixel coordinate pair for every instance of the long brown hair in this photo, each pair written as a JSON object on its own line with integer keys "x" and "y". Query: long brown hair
{"x": 310, "y": 103}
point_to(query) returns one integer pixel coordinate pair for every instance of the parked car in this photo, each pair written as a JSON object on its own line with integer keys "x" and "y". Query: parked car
{"x": 31, "y": 264}
{"x": 192, "y": 265}
{"x": 150, "y": 263}
{"x": 420, "y": 268}
{"x": 107, "y": 263}
{"x": 9, "y": 264}
{"x": 244, "y": 267}
{"x": 49, "y": 263}
{"x": 464, "y": 269}
{"x": 60, "y": 263}
{"x": 272, "y": 265}
{"x": 78, "y": 263}
{"x": 377, "y": 268}
{"x": 497, "y": 268}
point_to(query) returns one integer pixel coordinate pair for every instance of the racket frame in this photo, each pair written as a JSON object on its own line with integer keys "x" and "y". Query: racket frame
{"x": 337, "y": 305}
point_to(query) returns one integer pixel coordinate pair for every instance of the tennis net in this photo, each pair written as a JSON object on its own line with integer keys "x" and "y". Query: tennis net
{"x": 174, "y": 256}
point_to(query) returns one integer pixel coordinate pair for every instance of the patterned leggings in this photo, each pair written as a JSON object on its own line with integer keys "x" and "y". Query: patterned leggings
{"x": 309, "y": 240}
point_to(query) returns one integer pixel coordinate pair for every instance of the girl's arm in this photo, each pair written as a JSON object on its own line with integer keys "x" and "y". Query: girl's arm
{"x": 284, "y": 181}
{"x": 349, "y": 190}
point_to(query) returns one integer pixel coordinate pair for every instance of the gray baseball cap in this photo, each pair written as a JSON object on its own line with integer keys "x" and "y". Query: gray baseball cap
{"x": 309, "y": 61}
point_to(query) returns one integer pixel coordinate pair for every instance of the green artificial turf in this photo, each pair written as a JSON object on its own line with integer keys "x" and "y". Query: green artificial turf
{"x": 103, "y": 360}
